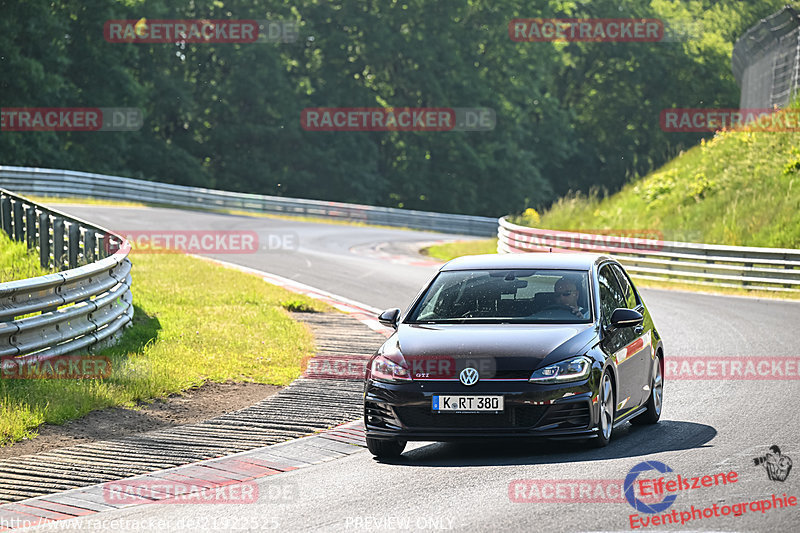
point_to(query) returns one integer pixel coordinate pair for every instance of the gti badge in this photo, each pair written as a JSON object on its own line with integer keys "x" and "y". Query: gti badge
{"x": 468, "y": 376}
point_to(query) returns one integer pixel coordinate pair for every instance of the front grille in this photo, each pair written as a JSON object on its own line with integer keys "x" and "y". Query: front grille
{"x": 513, "y": 417}
{"x": 523, "y": 373}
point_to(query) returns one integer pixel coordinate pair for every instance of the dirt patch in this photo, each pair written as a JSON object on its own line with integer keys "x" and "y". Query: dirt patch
{"x": 195, "y": 405}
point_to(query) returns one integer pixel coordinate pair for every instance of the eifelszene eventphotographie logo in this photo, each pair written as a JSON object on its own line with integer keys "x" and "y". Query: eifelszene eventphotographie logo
{"x": 776, "y": 464}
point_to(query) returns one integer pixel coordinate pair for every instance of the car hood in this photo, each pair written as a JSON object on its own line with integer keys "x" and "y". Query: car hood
{"x": 501, "y": 351}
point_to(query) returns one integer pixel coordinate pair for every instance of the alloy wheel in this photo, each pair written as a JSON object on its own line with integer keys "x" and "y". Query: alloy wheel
{"x": 606, "y": 407}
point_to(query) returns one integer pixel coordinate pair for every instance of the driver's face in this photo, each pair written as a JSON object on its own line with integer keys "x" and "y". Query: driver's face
{"x": 566, "y": 293}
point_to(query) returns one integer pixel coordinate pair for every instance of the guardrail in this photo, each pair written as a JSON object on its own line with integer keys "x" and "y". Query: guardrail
{"x": 772, "y": 269}
{"x": 67, "y": 183}
{"x": 87, "y": 302}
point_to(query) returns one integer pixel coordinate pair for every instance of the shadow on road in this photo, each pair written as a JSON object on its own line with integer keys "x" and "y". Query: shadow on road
{"x": 628, "y": 441}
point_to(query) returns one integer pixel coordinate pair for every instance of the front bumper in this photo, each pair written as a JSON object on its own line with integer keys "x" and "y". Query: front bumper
{"x": 403, "y": 411}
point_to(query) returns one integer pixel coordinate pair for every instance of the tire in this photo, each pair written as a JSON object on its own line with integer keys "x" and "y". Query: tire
{"x": 608, "y": 411}
{"x": 656, "y": 399}
{"x": 385, "y": 449}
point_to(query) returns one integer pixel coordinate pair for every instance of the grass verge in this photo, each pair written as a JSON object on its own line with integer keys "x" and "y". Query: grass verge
{"x": 740, "y": 188}
{"x": 16, "y": 261}
{"x": 195, "y": 321}
{"x": 55, "y": 200}
{"x": 451, "y": 250}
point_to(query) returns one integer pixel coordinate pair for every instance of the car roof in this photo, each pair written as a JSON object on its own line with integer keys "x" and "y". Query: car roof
{"x": 556, "y": 260}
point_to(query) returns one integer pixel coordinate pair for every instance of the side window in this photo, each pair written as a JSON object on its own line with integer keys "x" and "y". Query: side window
{"x": 611, "y": 296}
{"x": 627, "y": 290}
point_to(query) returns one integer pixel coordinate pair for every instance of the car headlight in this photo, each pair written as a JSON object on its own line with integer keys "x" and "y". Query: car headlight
{"x": 570, "y": 370}
{"x": 392, "y": 369}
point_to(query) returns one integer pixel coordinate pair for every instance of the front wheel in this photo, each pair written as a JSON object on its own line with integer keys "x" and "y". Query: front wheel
{"x": 607, "y": 411}
{"x": 653, "y": 412}
{"x": 385, "y": 449}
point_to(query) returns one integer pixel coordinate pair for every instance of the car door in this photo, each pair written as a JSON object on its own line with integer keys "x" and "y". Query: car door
{"x": 642, "y": 343}
{"x": 618, "y": 343}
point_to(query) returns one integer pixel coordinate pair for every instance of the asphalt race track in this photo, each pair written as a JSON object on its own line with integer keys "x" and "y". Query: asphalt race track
{"x": 708, "y": 426}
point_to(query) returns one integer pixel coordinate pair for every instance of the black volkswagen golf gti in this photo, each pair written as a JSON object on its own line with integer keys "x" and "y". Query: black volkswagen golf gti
{"x": 556, "y": 345}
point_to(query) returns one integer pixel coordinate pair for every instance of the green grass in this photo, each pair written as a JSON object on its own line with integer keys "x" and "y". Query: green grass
{"x": 83, "y": 200}
{"x": 16, "y": 261}
{"x": 195, "y": 321}
{"x": 451, "y": 250}
{"x": 740, "y": 188}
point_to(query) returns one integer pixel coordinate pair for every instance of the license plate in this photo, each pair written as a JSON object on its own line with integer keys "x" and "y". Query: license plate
{"x": 467, "y": 404}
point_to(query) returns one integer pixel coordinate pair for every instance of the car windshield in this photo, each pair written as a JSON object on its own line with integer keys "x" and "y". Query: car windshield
{"x": 528, "y": 296}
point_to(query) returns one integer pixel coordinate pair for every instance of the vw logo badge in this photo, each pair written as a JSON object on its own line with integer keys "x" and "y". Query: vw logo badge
{"x": 468, "y": 376}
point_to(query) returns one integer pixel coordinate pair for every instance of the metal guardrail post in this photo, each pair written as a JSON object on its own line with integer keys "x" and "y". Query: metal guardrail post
{"x": 112, "y": 245}
{"x": 101, "y": 247}
{"x": 5, "y": 214}
{"x": 44, "y": 239}
{"x": 19, "y": 222}
{"x": 30, "y": 226}
{"x": 89, "y": 244}
{"x": 74, "y": 244}
{"x": 58, "y": 243}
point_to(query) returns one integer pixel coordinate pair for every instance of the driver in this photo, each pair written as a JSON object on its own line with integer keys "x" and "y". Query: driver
{"x": 566, "y": 290}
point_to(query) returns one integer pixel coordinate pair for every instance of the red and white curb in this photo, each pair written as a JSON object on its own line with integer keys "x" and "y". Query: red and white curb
{"x": 200, "y": 482}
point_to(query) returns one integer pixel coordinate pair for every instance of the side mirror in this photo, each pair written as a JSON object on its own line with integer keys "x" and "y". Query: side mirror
{"x": 625, "y": 318}
{"x": 390, "y": 317}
